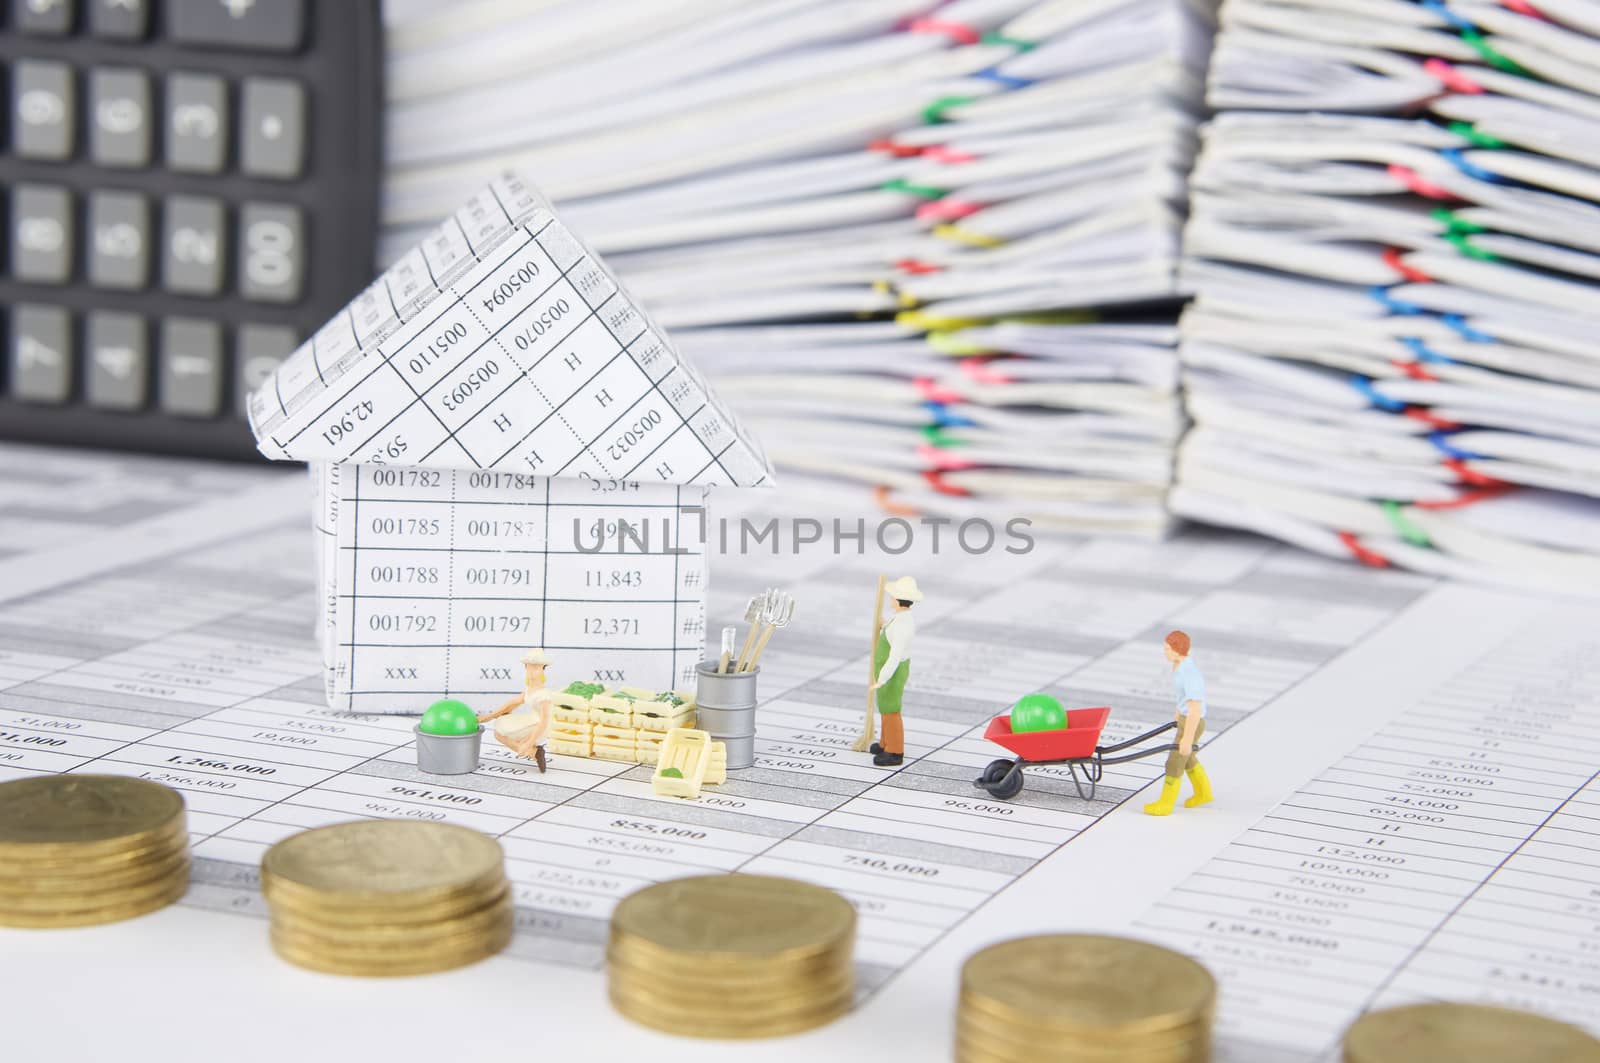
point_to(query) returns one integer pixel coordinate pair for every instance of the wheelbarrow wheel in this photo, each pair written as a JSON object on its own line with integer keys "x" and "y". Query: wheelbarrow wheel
{"x": 994, "y": 772}
{"x": 1009, "y": 786}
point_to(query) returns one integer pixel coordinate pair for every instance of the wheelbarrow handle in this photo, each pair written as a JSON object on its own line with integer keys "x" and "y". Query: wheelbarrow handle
{"x": 1137, "y": 738}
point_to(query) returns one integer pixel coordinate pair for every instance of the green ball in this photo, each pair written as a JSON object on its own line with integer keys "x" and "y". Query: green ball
{"x": 1037, "y": 712}
{"x": 449, "y": 717}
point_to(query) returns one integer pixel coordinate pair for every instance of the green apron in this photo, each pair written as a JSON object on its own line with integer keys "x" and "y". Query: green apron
{"x": 888, "y": 696}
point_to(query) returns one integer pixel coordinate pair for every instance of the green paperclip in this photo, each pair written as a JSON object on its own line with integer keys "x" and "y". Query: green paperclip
{"x": 900, "y": 184}
{"x": 1402, "y": 524}
{"x": 1466, "y": 247}
{"x": 1454, "y": 223}
{"x": 1491, "y": 55}
{"x": 933, "y": 114}
{"x": 1015, "y": 42}
{"x": 1471, "y": 132}
{"x": 934, "y": 434}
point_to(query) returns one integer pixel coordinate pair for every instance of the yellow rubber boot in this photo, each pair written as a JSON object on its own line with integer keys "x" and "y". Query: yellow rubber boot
{"x": 1162, "y": 806}
{"x": 1202, "y": 788}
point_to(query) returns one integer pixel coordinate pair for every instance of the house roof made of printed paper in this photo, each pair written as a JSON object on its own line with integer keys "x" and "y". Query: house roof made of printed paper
{"x": 502, "y": 342}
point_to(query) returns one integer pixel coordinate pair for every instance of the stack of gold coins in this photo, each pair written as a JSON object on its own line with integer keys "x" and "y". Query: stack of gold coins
{"x": 387, "y": 897}
{"x": 1465, "y": 1033}
{"x": 82, "y": 849}
{"x": 1064, "y": 998}
{"x": 732, "y": 956}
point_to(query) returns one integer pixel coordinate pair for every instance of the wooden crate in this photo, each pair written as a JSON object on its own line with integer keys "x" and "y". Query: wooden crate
{"x": 689, "y": 751}
{"x": 607, "y": 710}
{"x": 571, "y": 702}
{"x": 717, "y": 765}
{"x": 560, "y": 713}
{"x": 650, "y": 742}
{"x": 616, "y": 743}
{"x": 661, "y": 717}
{"x": 571, "y": 739}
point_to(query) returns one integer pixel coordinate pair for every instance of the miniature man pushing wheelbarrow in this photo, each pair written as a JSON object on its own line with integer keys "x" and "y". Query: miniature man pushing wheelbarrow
{"x": 1189, "y": 688}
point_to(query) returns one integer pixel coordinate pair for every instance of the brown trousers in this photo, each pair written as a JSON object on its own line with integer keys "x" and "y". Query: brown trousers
{"x": 894, "y": 733}
{"x": 1177, "y": 763}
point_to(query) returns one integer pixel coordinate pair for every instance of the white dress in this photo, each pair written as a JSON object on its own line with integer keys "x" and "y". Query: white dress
{"x": 535, "y": 707}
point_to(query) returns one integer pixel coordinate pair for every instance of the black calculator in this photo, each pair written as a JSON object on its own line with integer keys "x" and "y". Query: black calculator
{"x": 190, "y": 190}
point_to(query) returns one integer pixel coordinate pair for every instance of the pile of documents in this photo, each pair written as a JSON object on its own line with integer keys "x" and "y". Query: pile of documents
{"x": 1394, "y": 246}
{"x": 867, "y": 220}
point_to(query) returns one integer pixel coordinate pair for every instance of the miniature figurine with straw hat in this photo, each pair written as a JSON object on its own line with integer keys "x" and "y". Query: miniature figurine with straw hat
{"x": 522, "y": 723}
{"x": 891, "y": 663}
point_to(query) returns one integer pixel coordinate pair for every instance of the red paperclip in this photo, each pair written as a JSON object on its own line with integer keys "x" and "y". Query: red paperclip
{"x": 1471, "y": 476}
{"x": 1391, "y": 258}
{"x": 1522, "y": 7}
{"x": 1428, "y": 417}
{"x": 944, "y": 153}
{"x": 916, "y": 265}
{"x": 1419, "y": 184}
{"x": 889, "y": 147}
{"x": 1414, "y": 370}
{"x": 947, "y": 209}
{"x": 959, "y": 32}
{"x": 935, "y": 480}
{"x": 932, "y": 391}
{"x": 1452, "y": 78}
{"x": 1469, "y": 498}
{"x": 978, "y": 369}
{"x": 1361, "y": 553}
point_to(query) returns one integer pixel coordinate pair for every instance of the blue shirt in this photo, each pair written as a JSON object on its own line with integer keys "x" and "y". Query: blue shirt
{"x": 1189, "y": 685}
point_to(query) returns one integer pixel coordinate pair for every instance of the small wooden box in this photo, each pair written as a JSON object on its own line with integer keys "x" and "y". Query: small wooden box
{"x": 616, "y": 743}
{"x": 571, "y": 739}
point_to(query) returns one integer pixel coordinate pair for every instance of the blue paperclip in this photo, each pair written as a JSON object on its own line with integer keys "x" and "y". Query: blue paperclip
{"x": 1423, "y": 353}
{"x": 944, "y": 418}
{"x": 1459, "y": 323}
{"x": 1374, "y": 396}
{"x": 1442, "y": 441}
{"x": 1459, "y": 161}
{"x": 1010, "y": 81}
{"x": 1460, "y": 22}
{"x": 1395, "y": 306}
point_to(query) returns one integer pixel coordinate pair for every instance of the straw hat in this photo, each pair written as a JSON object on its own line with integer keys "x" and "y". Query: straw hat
{"x": 903, "y": 589}
{"x": 536, "y": 657}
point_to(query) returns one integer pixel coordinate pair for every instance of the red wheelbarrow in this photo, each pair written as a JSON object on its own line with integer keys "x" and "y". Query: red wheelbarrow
{"x": 1077, "y": 746}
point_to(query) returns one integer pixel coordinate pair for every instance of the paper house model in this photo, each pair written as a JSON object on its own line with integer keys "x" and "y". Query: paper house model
{"x": 507, "y": 453}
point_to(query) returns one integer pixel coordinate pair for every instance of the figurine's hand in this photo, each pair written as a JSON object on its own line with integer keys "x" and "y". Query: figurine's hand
{"x": 875, "y": 686}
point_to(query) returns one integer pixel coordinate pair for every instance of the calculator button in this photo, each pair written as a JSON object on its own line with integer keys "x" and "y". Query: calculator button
{"x": 43, "y": 101}
{"x": 119, "y": 361}
{"x": 191, "y": 246}
{"x": 253, "y": 25}
{"x": 119, "y": 240}
{"x": 197, "y": 131}
{"x": 271, "y": 268}
{"x": 191, "y": 367}
{"x": 119, "y": 19}
{"x": 41, "y": 234}
{"x": 41, "y": 358}
{"x": 42, "y": 16}
{"x": 262, "y": 348}
{"x": 119, "y": 117}
{"x": 273, "y": 128}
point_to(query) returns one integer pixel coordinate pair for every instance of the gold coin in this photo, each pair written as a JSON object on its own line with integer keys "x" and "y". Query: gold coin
{"x": 81, "y": 899}
{"x": 979, "y": 1026}
{"x": 104, "y": 913}
{"x": 384, "y": 861}
{"x": 313, "y": 933}
{"x": 727, "y": 918}
{"x": 627, "y": 952}
{"x": 1465, "y": 1033}
{"x": 61, "y": 817}
{"x": 729, "y": 1022}
{"x": 973, "y": 1045}
{"x": 392, "y": 962}
{"x": 695, "y": 996}
{"x": 25, "y": 887}
{"x": 146, "y": 849}
{"x": 391, "y": 911}
{"x": 1083, "y": 984}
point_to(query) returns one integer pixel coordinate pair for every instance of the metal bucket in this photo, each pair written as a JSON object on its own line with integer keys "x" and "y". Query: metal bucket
{"x": 725, "y": 707}
{"x": 448, "y": 754}
{"x": 741, "y": 751}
